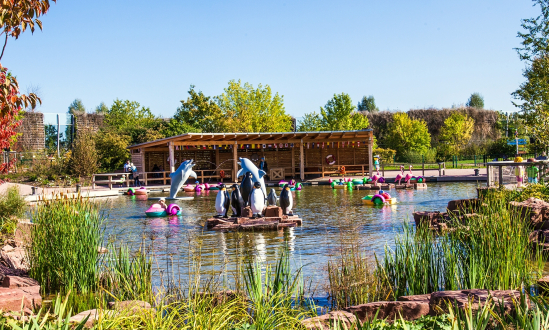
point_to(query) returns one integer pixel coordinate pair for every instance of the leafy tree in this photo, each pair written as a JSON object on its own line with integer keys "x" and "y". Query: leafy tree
{"x": 16, "y": 16}
{"x": 457, "y": 131}
{"x": 131, "y": 119}
{"x": 339, "y": 115}
{"x": 77, "y": 106}
{"x": 101, "y": 108}
{"x": 534, "y": 97}
{"x": 112, "y": 149}
{"x": 249, "y": 109}
{"x": 368, "y": 104}
{"x": 311, "y": 122}
{"x": 197, "y": 113}
{"x": 535, "y": 40}
{"x": 51, "y": 137}
{"x": 84, "y": 160}
{"x": 475, "y": 101}
{"x": 406, "y": 134}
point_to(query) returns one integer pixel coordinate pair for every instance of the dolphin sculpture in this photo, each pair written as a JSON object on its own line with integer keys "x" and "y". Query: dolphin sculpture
{"x": 257, "y": 174}
{"x": 180, "y": 176}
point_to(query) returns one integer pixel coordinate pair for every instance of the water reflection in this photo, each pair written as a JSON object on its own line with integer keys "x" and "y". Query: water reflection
{"x": 331, "y": 218}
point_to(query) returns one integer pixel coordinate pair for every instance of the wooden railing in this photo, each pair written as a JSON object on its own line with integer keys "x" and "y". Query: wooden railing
{"x": 163, "y": 177}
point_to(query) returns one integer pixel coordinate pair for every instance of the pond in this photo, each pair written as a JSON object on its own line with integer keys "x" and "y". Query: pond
{"x": 331, "y": 219}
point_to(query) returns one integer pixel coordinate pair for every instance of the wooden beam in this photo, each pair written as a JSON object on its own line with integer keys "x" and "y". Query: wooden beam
{"x": 371, "y": 157}
{"x": 171, "y": 157}
{"x": 235, "y": 162}
{"x": 301, "y": 162}
{"x": 293, "y": 163}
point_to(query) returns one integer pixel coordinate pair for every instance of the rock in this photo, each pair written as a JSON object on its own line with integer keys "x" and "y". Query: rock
{"x": 419, "y": 297}
{"x": 326, "y": 321}
{"x": 259, "y": 225}
{"x": 473, "y": 298}
{"x": 400, "y": 186}
{"x": 409, "y": 310}
{"x": 93, "y": 317}
{"x": 273, "y": 211}
{"x": 535, "y": 210}
{"x": 463, "y": 205}
{"x": 10, "y": 299}
{"x": 23, "y": 232}
{"x": 429, "y": 218}
{"x": 247, "y": 212}
{"x": 11, "y": 282}
{"x": 543, "y": 284}
{"x": 15, "y": 259}
{"x": 420, "y": 186}
{"x": 132, "y": 305}
{"x": 7, "y": 248}
{"x": 102, "y": 250}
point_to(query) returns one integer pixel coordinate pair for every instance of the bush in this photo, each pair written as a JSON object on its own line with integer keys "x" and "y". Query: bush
{"x": 111, "y": 148}
{"x": 500, "y": 147}
{"x": 12, "y": 206}
{"x": 410, "y": 156}
{"x": 84, "y": 161}
{"x": 387, "y": 155}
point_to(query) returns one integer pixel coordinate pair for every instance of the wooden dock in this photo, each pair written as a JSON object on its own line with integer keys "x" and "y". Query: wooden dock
{"x": 251, "y": 224}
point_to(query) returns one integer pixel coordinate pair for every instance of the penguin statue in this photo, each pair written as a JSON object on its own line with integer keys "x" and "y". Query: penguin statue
{"x": 222, "y": 202}
{"x": 237, "y": 202}
{"x": 246, "y": 187}
{"x": 271, "y": 199}
{"x": 286, "y": 200}
{"x": 257, "y": 200}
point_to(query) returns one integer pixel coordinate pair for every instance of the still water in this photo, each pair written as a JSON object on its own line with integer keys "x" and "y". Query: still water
{"x": 331, "y": 219}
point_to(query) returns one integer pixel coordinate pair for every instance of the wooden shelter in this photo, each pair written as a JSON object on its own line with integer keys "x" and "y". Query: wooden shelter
{"x": 288, "y": 154}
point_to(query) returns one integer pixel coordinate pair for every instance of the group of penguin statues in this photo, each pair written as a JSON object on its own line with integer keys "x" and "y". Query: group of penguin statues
{"x": 251, "y": 192}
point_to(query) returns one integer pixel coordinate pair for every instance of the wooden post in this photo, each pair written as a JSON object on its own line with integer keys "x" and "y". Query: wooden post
{"x": 171, "y": 157}
{"x": 322, "y": 160}
{"x": 235, "y": 161}
{"x": 216, "y": 159}
{"x": 301, "y": 161}
{"x": 500, "y": 168}
{"x": 293, "y": 162}
{"x": 488, "y": 175}
{"x": 371, "y": 157}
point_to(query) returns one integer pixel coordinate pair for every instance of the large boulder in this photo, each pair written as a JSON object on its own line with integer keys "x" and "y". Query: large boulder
{"x": 474, "y": 299}
{"x": 15, "y": 258}
{"x": 326, "y": 321}
{"x": 535, "y": 210}
{"x": 12, "y": 282}
{"x": 131, "y": 305}
{"x": 92, "y": 314}
{"x": 409, "y": 310}
{"x": 425, "y": 298}
{"x": 11, "y": 299}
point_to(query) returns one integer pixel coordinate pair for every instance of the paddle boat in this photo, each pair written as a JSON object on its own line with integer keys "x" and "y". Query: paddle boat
{"x": 341, "y": 185}
{"x": 188, "y": 188}
{"x": 381, "y": 198}
{"x": 156, "y": 210}
{"x": 133, "y": 191}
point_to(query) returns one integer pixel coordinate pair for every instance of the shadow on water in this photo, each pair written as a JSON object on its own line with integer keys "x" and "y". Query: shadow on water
{"x": 330, "y": 217}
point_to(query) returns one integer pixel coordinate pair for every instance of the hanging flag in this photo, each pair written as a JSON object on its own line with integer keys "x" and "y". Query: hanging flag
{"x": 358, "y": 144}
{"x": 292, "y": 145}
{"x": 264, "y": 146}
{"x": 286, "y": 145}
{"x": 322, "y": 145}
{"x": 307, "y": 145}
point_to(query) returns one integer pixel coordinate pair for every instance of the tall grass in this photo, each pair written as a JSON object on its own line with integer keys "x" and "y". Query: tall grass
{"x": 64, "y": 253}
{"x": 12, "y": 206}
{"x": 487, "y": 251}
{"x": 352, "y": 279}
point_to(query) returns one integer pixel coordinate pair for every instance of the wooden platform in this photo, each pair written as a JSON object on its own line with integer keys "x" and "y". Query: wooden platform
{"x": 250, "y": 224}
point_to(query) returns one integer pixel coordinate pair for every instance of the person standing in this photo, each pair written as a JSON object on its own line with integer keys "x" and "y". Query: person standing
{"x": 135, "y": 174}
{"x": 263, "y": 165}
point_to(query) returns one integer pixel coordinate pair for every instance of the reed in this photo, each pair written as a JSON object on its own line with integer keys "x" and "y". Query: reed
{"x": 487, "y": 251}
{"x": 352, "y": 279}
{"x": 63, "y": 252}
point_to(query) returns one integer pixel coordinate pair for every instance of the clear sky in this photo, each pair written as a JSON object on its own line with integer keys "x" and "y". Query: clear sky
{"x": 408, "y": 54}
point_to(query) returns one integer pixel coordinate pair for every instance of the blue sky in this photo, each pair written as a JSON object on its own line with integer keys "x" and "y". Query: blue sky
{"x": 408, "y": 54}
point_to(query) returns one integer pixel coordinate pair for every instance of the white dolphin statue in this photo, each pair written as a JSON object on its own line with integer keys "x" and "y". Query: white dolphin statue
{"x": 180, "y": 176}
{"x": 257, "y": 174}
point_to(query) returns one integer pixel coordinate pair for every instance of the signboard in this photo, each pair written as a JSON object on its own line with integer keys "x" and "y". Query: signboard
{"x": 521, "y": 142}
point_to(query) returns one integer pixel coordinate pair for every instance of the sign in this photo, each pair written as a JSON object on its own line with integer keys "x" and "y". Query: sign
{"x": 521, "y": 142}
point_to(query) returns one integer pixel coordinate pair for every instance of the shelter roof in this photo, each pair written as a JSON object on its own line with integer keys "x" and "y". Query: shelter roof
{"x": 258, "y": 138}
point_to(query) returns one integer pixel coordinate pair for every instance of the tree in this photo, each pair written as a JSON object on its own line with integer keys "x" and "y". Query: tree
{"x": 457, "y": 131}
{"x": 339, "y": 115}
{"x": 84, "y": 160}
{"x": 534, "y": 97}
{"x": 405, "y": 134}
{"x": 475, "y": 101}
{"x": 311, "y": 122}
{"x": 368, "y": 104}
{"x": 101, "y": 108}
{"x": 77, "y": 106}
{"x": 196, "y": 114}
{"x": 249, "y": 109}
{"x": 111, "y": 149}
{"x": 16, "y": 16}
{"x": 533, "y": 93}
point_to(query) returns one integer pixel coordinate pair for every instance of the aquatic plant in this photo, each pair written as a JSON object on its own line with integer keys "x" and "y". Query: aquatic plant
{"x": 63, "y": 251}
{"x": 12, "y": 206}
{"x": 488, "y": 250}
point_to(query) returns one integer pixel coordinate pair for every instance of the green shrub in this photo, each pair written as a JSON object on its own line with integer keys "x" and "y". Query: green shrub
{"x": 63, "y": 254}
{"x": 387, "y": 155}
{"x": 12, "y": 206}
{"x": 415, "y": 157}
